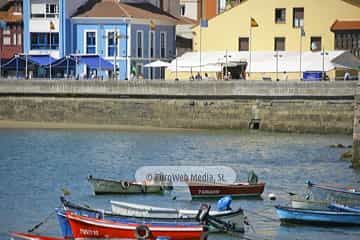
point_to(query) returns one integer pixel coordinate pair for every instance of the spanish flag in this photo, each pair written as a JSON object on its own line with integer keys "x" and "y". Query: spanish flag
{"x": 152, "y": 25}
{"x": 253, "y": 23}
{"x": 52, "y": 25}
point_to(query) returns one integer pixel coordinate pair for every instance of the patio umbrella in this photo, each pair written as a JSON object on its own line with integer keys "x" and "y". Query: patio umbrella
{"x": 157, "y": 63}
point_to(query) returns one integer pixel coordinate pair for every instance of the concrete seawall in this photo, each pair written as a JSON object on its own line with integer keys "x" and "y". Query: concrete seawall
{"x": 286, "y": 107}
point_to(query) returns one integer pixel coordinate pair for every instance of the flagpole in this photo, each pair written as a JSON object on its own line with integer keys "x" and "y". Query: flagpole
{"x": 301, "y": 38}
{"x": 201, "y": 19}
{"x": 50, "y": 52}
{"x": 250, "y": 46}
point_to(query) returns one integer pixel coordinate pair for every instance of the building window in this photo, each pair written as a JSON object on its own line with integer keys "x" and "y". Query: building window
{"x": 139, "y": 44}
{"x": 112, "y": 44}
{"x": 51, "y": 10}
{"x": 19, "y": 38}
{"x": 298, "y": 17}
{"x": 7, "y": 40}
{"x": 163, "y": 45}
{"x": 182, "y": 10}
{"x": 90, "y": 42}
{"x": 42, "y": 10}
{"x": 280, "y": 15}
{"x": 315, "y": 44}
{"x": 347, "y": 40}
{"x": 243, "y": 44}
{"x": 152, "y": 44}
{"x": 42, "y": 41}
{"x": 279, "y": 44}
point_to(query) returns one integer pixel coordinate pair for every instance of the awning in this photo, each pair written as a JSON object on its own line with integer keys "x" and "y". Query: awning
{"x": 41, "y": 60}
{"x": 17, "y": 63}
{"x": 96, "y": 62}
{"x": 63, "y": 63}
{"x": 32, "y": 60}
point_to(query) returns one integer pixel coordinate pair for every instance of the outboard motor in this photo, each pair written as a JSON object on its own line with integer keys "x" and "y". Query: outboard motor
{"x": 224, "y": 204}
{"x": 203, "y": 213}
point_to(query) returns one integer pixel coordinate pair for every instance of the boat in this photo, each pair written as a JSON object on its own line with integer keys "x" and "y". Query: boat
{"x": 310, "y": 216}
{"x": 341, "y": 207}
{"x": 233, "y": 217}
{"x": 86, "y": 227}
{"x": 334, "y": 193}
{"x": 109, "y": 186}
{"x": 201, "y": 189}
{"x": 27, "y": 236}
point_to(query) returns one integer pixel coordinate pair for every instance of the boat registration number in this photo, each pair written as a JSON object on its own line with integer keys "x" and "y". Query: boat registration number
{"x": 89, "y": 232}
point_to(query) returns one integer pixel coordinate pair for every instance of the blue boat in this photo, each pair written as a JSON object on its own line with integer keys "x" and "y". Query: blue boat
{"x": 309, "y": 216}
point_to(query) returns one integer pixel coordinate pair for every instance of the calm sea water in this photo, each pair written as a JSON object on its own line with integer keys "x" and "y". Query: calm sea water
{"x": 36, "y": 164}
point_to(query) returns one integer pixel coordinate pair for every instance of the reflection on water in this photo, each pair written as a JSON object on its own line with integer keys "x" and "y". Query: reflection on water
{"x": 36, "y": 164}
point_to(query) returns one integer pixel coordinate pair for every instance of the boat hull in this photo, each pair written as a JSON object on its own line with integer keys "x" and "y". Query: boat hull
{"x": 234, "y": 190}
{"x": 84, "y": 227}
{"x": 107, "y": 186}
{"x": 307, "y": 216}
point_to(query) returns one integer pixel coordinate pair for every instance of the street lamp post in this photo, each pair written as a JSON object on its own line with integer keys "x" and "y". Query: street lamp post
{"x": 323, "y": 54}
{"x": 277, "y": 56}
{"x": 302, "y": 34}
{"x": 226, "y": 64}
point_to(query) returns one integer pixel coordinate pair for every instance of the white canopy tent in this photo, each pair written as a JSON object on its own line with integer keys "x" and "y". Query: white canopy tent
{"x": 156, "y": 64}
{"x": 265, "y": 62}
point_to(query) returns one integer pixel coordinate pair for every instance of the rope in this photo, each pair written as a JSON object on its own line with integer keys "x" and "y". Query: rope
{"x": 263, "y": 216}
{"x": 42, "y": 222}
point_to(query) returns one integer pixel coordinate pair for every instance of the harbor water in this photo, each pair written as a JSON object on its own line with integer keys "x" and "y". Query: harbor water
{"x": 35, "y": 165}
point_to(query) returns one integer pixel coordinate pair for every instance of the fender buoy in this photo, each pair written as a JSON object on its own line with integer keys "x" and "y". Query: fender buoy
{"x": 125, "y": 184}
{"x": 142, "y": 232}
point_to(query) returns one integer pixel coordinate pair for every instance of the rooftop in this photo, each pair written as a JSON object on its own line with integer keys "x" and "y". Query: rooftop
{"x": 340, "y": 25}
{"x": 115, "y": 9}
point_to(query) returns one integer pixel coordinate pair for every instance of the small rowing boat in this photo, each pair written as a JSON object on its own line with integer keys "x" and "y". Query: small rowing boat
{"x": 200, "y": 189}
{"x": 109, "y": 186}
{"x": 27, "y": 236}
{"x": 85, "y": 227}
{"x": 310, "y": 216}
{"x": 235, "y": 218}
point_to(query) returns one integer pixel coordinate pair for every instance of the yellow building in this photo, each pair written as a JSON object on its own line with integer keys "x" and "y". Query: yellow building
{"x": 327, "y": 25}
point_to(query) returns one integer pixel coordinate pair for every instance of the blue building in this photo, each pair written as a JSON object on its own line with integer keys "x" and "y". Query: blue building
{"x": 129, "y": 35}
{"x": 47, "y": 26}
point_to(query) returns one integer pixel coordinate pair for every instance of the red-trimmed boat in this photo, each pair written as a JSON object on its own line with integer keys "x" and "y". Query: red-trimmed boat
{"x": 200, "y": 189}
{"x": 85, "y": 227}
{"x": 27, "y": 236}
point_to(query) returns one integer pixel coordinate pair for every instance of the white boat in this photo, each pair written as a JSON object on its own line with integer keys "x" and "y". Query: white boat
{"x": 235, "y": 218}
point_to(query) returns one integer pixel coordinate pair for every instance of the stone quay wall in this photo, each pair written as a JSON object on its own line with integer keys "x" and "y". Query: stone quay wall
{"x": 281, "y": 106}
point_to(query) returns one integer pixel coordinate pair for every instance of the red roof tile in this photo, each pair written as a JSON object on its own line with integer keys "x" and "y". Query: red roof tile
{"x": 115, "y": 9}
{"x": 346, "y": 25}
